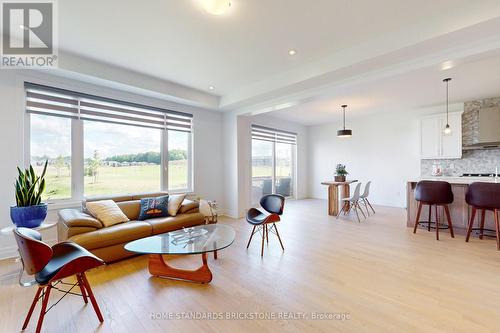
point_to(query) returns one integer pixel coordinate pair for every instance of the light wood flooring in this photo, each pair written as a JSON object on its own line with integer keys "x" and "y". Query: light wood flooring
{"x": 378, "y": 272}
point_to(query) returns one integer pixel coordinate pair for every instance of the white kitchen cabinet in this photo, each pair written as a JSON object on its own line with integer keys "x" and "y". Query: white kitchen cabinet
{"x": 434, "y": 144}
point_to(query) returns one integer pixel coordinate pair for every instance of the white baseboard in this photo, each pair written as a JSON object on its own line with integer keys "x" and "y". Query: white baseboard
{"x": 229, "y": 213}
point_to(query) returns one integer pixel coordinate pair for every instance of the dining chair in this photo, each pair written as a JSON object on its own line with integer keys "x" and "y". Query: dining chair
{"x": 352, "y": 203}
{"x": 50, "y": 265}
{"x": 364, "y": 198}
{"x": 273, "y": 205}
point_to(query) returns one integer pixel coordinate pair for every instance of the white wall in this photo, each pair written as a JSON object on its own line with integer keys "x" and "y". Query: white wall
{"x": 384, "y": 148}
{"x": 207, "y": 128}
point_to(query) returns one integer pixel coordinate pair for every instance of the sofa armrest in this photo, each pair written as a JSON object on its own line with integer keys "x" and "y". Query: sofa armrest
{"x": 73, "y": 222}
{"x": 189, "y": 206}
{"x": 77, "y": 218}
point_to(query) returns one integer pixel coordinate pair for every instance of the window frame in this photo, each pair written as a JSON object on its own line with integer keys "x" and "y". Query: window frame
{"x": 77, "y": 159}
{"x": 273, "y": 156}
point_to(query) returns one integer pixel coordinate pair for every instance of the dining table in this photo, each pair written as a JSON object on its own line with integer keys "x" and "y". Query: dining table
{"x": 333, "y": 194}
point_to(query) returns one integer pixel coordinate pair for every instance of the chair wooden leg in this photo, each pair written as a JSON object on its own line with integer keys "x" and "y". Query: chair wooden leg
{"x": 92, "y": 298}
{"x": 448, "y": 217}
{"x": 32, "y": 307}
{"x": 471, "y": 223}
{"x": 369, "y": 204}
{"x": 341, "y": 210}
{"x": 497, "y": 228}
{"x": 82, "y": 288}
{"x": 483, "y": 213}
{"x": 263, "y": 236}
{"x": 43, "y": 310}
{"x": 279, "y": 238}
{"x": 267, "y": 234}
{"x": 429, "y": 220}
{"x": 361, "y": 209}
{"x": 356, "y": 211}
{"x": 366, "y": 206}
{"x": 215, "y": 255}
{"x": 253, "y": 231}
{"x": 418, "y": 217}
{"x": 437, "y": 222}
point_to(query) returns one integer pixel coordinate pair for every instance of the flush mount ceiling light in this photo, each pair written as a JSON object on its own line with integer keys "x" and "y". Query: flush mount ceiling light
{"x": 344, "y": 133}
{"x": 216, "y": 7}
{"x": 447, "y": 128}
{"x": 292, "y": 52}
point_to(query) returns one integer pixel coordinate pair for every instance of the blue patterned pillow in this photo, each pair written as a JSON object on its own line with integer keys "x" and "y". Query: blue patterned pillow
{"x": 154, "y": 207}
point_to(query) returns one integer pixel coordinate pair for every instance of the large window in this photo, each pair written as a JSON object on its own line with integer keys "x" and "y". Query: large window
{"x": 51, "y": 140}
{"x": 97, "y": 146}
{"x": 121, "y": 159}
{"x": 273, "y": 160}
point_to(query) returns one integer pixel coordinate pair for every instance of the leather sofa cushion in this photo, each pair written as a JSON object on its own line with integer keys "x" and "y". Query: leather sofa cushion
{"x": 161, "y": 225}
{"x": 116, "y": 234}
{"x": 130, "y": 208}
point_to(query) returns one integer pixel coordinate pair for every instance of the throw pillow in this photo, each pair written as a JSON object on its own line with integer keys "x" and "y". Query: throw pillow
{"x": 174, "y": 203}
{"x": 106, "y": 211}
{"x": 154, "y": 207}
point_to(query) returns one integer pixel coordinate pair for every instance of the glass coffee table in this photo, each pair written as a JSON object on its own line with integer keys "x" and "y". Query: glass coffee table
{"x": 201, "y": 239}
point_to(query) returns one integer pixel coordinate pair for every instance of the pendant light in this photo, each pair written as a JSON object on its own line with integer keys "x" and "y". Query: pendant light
{"x": 447, "y": 128}
{"x": 344, "y": 133}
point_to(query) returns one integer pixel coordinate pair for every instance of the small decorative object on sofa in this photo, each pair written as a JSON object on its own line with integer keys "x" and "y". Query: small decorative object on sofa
{"x": 29, "y": 211}
{"x": 154, "y": 207}
{"x": 209, "y": 210}
{"x": 340, "y": 173}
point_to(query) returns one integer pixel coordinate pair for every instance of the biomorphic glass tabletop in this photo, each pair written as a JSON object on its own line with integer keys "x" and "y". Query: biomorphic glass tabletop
{"x": 194, "y": 240}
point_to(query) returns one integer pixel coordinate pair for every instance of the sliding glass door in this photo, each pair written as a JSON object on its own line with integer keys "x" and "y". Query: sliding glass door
{"x": 273, "y": 160}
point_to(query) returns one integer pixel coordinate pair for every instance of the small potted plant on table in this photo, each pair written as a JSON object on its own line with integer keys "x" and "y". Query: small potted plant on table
{"x": 340, "y": 173}
{"x": 29, "y": 211}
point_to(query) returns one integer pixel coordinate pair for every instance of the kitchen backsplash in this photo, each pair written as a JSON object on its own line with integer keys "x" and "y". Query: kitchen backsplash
{"x": 472, "y": 161}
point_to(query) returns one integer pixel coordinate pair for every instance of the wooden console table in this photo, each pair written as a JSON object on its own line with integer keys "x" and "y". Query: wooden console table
{"x": 333, "y": 194}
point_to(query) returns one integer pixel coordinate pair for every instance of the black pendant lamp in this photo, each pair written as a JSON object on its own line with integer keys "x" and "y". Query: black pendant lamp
{"x": 344, "y": 133}
{"x": 447, "y": 128}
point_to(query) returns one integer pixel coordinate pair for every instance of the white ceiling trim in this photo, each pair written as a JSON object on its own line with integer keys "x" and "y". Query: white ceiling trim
{"x": 472, "y": 41}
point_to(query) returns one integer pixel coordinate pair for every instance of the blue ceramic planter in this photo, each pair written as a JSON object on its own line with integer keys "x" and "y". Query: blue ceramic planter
{"x": 29, "y": 216}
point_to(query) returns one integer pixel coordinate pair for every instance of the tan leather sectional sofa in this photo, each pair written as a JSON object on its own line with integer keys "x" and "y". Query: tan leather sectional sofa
{"x": 107, "y": 243}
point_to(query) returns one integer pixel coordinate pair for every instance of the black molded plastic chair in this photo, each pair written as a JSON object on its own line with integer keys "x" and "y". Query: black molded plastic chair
{"x": 52, "y": 264}
{"x": 273, "y": 204}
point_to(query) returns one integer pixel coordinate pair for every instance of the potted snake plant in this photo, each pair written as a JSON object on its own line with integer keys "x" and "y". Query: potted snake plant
{"x": 29, "y": 211}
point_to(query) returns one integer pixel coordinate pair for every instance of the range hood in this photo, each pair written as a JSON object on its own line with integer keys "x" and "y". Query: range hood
{"x": 487, "y": 135}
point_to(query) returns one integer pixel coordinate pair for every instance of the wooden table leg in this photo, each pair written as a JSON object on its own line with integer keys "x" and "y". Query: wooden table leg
{"x": 158, "y": 267}
{"x": 346, "y": 193}
{"x": 333, "y": 200}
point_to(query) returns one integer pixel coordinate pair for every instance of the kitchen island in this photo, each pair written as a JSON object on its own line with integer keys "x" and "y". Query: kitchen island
{"x": 459, "y": 210}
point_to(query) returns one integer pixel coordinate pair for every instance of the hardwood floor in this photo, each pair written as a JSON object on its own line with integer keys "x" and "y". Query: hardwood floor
{"x": 378, "y": 272}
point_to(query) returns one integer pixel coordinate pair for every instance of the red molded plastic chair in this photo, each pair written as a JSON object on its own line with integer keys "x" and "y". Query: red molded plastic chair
{"x": 52, "y": 264}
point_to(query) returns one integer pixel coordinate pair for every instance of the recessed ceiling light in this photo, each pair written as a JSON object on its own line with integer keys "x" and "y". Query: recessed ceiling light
{"x": 216, "y": 7}
{"x": 292, "y": 52}
{"x": 447, "y": 65}
{"x": 211, "y": 87}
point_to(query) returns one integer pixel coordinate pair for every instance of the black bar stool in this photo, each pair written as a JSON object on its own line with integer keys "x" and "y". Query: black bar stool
{"x": 434, "y": 193}
{"x": 483, "y": 196}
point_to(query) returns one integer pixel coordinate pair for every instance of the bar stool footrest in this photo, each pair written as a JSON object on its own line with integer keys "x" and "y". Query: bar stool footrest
{"x": 425, "y": 225}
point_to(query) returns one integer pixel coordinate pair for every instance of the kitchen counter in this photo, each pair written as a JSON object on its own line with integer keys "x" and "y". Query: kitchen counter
{"x": 459, "y": 210}
{"x": 458, "y": 180}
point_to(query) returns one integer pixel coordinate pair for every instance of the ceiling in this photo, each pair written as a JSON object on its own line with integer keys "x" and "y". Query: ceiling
{"x": 244, "y": 53}
{"x": 472, "y": 78}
